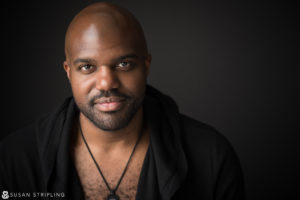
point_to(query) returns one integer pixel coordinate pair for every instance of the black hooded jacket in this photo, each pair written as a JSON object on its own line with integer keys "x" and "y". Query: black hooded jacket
{"x": 186, "y": 159}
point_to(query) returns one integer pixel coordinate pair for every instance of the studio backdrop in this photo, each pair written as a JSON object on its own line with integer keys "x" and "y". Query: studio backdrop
{"x": 234, "y": 66}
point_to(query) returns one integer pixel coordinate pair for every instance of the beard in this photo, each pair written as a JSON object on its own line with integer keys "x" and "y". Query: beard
{"x": 111, "y": 120}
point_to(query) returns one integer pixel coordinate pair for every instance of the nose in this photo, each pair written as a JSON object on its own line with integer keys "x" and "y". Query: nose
{"x": 106, "y": 79}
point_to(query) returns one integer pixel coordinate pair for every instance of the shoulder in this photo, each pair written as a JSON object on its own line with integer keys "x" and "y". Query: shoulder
{"x": 18, "y": 141}
{"x": 202, "y": 143}
{"x": 19, "y": 148}
{"x": 212, "y": 160}
{"x": 194, "y": 131}
{"x": 18, "y": 156}
{"x": 26, "y": 139}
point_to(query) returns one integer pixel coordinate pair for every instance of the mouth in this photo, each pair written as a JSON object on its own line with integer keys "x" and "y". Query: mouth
{"x": 109, "y": 104}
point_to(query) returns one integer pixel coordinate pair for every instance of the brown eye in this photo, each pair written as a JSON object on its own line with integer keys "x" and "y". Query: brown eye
{"x": 125, "y": 65}
{"x": 87, "y": 68}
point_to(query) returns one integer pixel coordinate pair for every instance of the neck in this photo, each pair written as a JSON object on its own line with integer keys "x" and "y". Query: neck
{"x": 109, "y": 140}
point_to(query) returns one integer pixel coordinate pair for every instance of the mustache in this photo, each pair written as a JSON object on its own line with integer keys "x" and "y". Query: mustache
{"x": 109, "y": 93}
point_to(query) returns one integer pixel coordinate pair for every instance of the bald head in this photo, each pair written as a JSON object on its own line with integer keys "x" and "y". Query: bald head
{"x": 106, "y": 24}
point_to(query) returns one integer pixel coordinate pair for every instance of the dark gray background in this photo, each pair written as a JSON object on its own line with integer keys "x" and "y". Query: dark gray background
{"x": 232, "y": 65}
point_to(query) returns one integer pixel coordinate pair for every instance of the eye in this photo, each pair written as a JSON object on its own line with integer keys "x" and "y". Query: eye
{"x": 124, "y": 65}
{"x": 87, "y": 68}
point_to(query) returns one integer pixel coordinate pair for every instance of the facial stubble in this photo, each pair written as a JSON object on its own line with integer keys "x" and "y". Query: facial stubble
{"x": 113, "y": 120}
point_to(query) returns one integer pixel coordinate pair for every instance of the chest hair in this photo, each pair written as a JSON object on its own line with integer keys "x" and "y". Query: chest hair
{"x": 92, "y": 183}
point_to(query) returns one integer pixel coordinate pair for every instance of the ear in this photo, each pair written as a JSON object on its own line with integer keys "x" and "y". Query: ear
{"x": 67, "y": 69}
{"x": 148, "y": 63}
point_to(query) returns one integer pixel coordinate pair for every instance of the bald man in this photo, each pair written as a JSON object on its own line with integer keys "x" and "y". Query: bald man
{"x": 116, "y": 137}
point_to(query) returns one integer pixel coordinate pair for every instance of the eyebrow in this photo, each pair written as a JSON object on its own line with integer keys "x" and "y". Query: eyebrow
{"x": 83, "y": 60}
{"x": 131, "y": 55}
{"x": 88, "y": 60}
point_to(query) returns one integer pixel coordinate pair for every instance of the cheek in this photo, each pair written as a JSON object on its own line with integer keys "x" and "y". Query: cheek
{"x": 134, "y": 82}
{"x": 81, "y": 86}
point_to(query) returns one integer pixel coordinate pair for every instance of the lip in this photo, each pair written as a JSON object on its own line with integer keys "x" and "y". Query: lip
{"x": 106, "y": 104}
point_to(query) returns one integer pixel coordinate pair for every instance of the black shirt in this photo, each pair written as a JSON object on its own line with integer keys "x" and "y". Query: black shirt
{"x": 185, "y": 159}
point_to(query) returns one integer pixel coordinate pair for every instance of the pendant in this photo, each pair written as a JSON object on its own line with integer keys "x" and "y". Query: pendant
{"x": 113, "y": 197}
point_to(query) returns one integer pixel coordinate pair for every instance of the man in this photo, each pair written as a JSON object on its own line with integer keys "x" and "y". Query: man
{"x": 117, "y": 137}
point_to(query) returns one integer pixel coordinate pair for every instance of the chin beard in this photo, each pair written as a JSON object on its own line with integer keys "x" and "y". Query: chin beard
{"x": 111, "y": 121}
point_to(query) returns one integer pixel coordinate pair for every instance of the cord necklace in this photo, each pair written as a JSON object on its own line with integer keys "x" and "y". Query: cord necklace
{"x": 112, "y": 192}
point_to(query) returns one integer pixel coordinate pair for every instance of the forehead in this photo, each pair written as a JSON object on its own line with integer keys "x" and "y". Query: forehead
{"x": 94, "y": 41}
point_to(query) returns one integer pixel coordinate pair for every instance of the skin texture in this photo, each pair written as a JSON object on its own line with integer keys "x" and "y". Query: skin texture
{"x": 107, "y": 64}
{"x": 106, "y": 56}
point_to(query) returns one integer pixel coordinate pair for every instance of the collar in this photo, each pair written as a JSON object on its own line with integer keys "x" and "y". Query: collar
{"x": 163, "y": 117}
{"x": 53, "y": 134}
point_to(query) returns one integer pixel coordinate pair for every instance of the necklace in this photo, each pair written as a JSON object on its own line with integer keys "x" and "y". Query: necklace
{"x": 112, "y": 192}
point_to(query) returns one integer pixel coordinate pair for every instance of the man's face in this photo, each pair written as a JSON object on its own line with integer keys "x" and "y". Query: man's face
{"x": 108, "y": 77}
